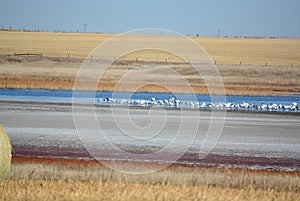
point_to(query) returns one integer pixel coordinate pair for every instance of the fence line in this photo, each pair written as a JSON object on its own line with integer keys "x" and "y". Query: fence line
{"x": 28, "y": 54}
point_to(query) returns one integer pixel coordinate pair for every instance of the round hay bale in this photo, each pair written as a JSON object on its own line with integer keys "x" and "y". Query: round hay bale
{"x": 5, "y": 153}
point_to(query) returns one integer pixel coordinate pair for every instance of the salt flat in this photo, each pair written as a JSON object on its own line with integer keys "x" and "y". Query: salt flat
{"x": 250, "y": 140}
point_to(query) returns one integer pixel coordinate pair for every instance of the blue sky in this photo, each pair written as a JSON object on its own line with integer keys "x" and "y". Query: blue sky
{"x": 190, "y": 17}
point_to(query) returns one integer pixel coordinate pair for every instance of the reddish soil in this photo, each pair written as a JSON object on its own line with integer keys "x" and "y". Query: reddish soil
{"x": 81, "y": 156}
{"x": 94, "y": 163}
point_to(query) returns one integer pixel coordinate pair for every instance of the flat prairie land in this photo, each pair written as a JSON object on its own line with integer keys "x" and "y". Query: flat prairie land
{"x": 50, "y": 179}
{"x": 50, "y": 44}
{"x": 252, "y": 51}
{"x": 249, "y": 51}
{"x": 247, "y": 66}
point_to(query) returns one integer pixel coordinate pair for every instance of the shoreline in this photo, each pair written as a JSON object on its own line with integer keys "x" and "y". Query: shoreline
{"x": 283, "y": 94}
{"x": 60, "y": 74}
{"x": 84, "y": 163}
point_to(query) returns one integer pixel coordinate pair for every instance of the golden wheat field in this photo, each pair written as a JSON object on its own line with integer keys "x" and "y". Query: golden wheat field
{"x": 75, "y": 180}
{"x": 280, "y": 52}
{"x": 247, "y": 66}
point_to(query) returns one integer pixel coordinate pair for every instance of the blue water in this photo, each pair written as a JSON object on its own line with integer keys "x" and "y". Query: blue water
{"x": 66, "y": 97}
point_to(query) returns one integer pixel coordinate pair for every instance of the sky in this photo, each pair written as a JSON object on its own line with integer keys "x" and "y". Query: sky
{"x": 261, "y": 18}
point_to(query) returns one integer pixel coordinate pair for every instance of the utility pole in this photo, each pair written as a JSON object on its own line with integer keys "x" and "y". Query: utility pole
{"x": 84, "y": 28}
{"x": 219, "y": 32}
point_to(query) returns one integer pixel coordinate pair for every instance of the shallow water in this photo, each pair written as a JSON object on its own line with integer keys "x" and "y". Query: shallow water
{"x": 257, "y": 103}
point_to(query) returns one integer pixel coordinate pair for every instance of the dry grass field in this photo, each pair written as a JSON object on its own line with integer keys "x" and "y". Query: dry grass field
{"x": 249, "y": 51}
{"x": 247, "y": 66}
{"x": 252, "y": 51}
{"x": 38, "y": 179}
{"x": 57, "y": 73}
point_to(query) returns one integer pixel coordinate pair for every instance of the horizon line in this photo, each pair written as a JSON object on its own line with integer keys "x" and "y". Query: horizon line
{"x": 158, "y": 34}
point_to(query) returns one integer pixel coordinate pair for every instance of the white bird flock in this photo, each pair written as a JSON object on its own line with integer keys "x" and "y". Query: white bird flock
{"x": 174, "y": 103}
